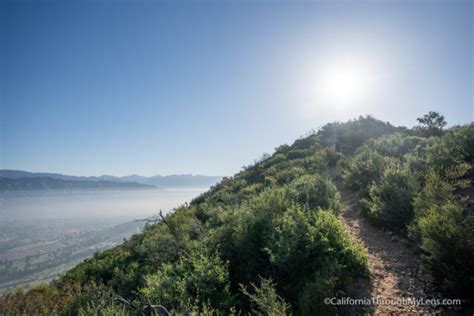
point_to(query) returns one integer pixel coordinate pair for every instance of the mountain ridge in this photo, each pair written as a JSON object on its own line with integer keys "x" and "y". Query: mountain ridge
{"x": 168, "y": 181}
{"x": 47, "y": 183}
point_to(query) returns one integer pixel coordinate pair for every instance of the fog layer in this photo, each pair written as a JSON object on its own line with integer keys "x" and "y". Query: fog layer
{"x": 126, "y": 204}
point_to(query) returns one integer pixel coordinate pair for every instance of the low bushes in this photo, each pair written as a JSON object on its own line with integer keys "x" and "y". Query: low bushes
{"x": 444, "y": 229}
{"x": 389, "y": 202}
{"x": 411, "y": 185}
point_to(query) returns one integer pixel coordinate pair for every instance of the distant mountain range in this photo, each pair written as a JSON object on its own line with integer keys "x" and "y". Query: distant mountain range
{"x": 175, "y": 180}
{"x": 46, "y": 183}
{"x": 24, "y": 180}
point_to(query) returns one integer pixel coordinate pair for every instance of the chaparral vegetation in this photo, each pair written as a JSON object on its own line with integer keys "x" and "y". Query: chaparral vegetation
{"x": 269, "y": 240}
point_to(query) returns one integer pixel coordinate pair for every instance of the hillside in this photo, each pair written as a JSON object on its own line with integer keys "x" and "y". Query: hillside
{"x": 277, "y": 239}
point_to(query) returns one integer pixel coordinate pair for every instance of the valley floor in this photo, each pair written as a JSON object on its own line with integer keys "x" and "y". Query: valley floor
{"x": 38, "y": 250}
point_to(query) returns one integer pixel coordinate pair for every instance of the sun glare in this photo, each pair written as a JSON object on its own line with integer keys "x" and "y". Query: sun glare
{"x": 344, "y": 83}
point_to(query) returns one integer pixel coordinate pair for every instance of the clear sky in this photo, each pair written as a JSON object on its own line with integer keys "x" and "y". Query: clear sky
{"x": 152, "y": 87}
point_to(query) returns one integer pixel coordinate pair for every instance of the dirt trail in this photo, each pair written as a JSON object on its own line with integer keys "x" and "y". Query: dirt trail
{"x": 393, "y": 267}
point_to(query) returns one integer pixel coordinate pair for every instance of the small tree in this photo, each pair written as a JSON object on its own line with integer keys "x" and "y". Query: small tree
{"x": 266, "y": 300}
{"x": 431, "y": 124}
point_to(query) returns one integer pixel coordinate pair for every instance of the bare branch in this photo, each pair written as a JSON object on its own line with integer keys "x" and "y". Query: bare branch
{"x": 175, "y": 235}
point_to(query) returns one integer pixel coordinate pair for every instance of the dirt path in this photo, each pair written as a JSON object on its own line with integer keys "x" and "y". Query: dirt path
{"x": 393, "y": 267}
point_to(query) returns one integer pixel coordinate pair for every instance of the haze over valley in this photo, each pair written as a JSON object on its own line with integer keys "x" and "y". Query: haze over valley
{"x": 50, "y": 222}
{"x": 270, "y": 158}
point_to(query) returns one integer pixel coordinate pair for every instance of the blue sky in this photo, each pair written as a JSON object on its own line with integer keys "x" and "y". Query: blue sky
{"x": 152, "y": 87}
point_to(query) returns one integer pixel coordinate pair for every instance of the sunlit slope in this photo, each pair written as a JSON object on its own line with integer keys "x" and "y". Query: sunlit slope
{"x": 268, "y": 239}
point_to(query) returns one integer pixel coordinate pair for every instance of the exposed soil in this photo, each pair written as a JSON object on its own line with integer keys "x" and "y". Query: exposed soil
{"x": 394, "y": 268}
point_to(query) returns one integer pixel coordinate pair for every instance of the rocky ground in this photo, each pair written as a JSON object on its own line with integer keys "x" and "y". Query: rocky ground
{"x": 394, "y": 268}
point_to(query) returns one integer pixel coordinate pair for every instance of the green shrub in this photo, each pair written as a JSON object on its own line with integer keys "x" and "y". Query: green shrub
{"x": 315, "y": 191}
{"x": 347, "y": 137}
{"x": 364, "y": 168}
{"x": 307, "y": 247}
{"x": 443, "y": 228}
{"x": 199, "y": 279}
{"x": 389, "y": 203}
{"x": 42, "y": 299}
{"x": 245, "y": 231}
{"x": 265, "y": 300}
{"x": 97, "y": 299}
{"x": 329, "y": 155}
{"x": 454, "y": 150}
{"x": 275, "y": 237}
{"x": 396, "y": 144}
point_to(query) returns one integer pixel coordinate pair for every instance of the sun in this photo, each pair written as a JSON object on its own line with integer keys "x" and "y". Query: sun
{"x": 343, "y": 83}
